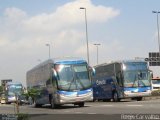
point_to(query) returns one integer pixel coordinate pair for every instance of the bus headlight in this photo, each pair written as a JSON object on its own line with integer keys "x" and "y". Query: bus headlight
{"x": 126, "y": 93}
{"x": 149, "y": 91}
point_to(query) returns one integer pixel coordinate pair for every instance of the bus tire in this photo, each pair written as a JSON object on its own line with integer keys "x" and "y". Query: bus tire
{"x": 139, "y": 98}
{"x": 115, "y": 97}
{"x": 81, "y": 104}
{"x": 93, "y": 100}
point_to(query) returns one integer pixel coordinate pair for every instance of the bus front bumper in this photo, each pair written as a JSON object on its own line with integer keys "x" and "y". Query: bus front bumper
{"x": 129, "y": 94}
{"x": 66, "y": 99}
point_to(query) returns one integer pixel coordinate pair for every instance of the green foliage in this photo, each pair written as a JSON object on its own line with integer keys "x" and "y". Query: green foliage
{"x": 26, "y": 95}
{"x": 22, "y": 116}
{"x": 156, "y": 93}
{"x": 32, "y": 93}
{"x": 1, "y": 89}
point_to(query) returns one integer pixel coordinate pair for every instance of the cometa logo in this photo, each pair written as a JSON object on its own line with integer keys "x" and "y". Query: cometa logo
{"x": 100, "y": 82}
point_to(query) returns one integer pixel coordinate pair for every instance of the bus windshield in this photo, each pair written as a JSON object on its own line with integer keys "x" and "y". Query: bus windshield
{"x": 14, "y": 89}
{"x": 72, "y": 77}
{"x": 132, "y": 79}
{"x": 136, "y": 75}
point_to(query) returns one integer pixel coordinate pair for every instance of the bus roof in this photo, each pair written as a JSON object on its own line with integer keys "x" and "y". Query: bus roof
{"x": 61, "y": 60}
{"x": 119, "y": 61}
{"x": 69, "y": 60}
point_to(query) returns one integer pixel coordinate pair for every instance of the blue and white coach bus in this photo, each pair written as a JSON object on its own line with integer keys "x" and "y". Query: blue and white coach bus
{"x": 124, "y": 79}
{"x": 12, "y": 91}
{"x": 61, "y": 81}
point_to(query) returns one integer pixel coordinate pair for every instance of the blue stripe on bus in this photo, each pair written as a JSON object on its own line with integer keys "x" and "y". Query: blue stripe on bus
{"x": 71, "y": 62}
{"x": 139, "y": 89}
{"x": 75, "y": 92}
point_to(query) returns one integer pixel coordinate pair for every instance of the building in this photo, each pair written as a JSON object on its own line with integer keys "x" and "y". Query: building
{"x": 3, "y": 83}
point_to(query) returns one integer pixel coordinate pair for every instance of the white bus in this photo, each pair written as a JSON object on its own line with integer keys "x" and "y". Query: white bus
{"x": 12, "y": 91}
{"x": 155, "y": 83}
{"x": 61, "y": 81}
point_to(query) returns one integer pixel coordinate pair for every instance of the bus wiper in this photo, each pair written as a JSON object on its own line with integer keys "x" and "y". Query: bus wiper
{"x": 73, "y": 80}
{"x": 78, "y": 79}
{"x": 141, "y": 80}
{"x": 142, "y": 83}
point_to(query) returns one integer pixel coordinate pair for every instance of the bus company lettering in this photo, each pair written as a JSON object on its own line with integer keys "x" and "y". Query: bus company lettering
{"x": 100, "y": 82}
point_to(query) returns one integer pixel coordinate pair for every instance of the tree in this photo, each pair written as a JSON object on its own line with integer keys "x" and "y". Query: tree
{"x": 1, "y": 89}
{"x": 32, "y": 93}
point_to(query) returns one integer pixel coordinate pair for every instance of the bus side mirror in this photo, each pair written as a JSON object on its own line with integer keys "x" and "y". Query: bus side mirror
{"x": 92, "y": 71}
{"x": 54, "y": 72}
{"x": 151, "y": 74}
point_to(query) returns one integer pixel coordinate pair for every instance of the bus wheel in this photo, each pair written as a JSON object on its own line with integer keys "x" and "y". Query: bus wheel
{"x": 115, "y": 97}
{"x": 81, "y": 104}
{"x": 139, "y": 98}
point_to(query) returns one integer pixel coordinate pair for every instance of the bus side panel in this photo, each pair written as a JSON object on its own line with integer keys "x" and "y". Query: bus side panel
{"x": 102, "y": 88}
{"x": 137, "y": 92}
{"x": 40, "y": 79}
{"x": 43, "y": 97}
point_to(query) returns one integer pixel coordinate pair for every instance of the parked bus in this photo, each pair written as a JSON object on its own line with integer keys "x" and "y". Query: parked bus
{"x": 119, "y": 80}
{"x": 156, "y": 83}
{"x": 3, "y": 98}
{"x": 61, "y": 81}
{"x": 12, "y": 91}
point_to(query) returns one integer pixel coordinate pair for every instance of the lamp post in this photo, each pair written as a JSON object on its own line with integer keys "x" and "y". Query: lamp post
{"x": 97, "y": 50}
{"x": 86, "y": 33}
{"x": 50, "y": 68}
{"x": 49, "y": 49}
{"x": 157, "y": 12}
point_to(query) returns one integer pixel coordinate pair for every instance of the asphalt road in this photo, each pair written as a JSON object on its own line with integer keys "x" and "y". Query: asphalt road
{"x": 93, "y": 109}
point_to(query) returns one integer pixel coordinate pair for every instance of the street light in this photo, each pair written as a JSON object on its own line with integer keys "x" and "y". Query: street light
{"x": 86, "y": 33}
{"x": 157, "y": 12}
{"x": 49, "y": 49}
{"x": 97, "y": 50}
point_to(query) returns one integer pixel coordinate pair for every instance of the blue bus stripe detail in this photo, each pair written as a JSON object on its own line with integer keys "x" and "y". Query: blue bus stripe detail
{"x": 138, "y": 89}
{"x": 75, "y": 92}
{"x": 71, "y": 62}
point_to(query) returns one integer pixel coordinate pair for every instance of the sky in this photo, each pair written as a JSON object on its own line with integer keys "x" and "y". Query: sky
{"x": 125, "y": 29}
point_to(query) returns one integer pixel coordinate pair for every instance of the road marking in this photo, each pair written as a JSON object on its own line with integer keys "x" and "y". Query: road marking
{"x": 134, "y": 105}
{"x": 103, "y": 106}
{"x": 91, "y": 113}
{"x": 128, "y": 105}
{"x": 78, "y": 112}
{"x": 107, "y": 105}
